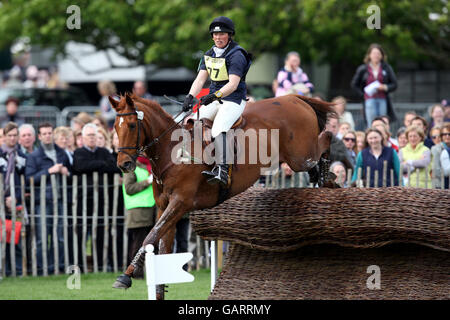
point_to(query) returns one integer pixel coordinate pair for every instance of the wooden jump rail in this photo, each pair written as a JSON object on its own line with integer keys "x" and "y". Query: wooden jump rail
{"x": 319, "y": 243}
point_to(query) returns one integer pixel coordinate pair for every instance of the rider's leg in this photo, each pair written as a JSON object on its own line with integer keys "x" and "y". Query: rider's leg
{"x": 209, "y": 111}
{"x": 227, "y": 115}
{"x": 219, "y": 173}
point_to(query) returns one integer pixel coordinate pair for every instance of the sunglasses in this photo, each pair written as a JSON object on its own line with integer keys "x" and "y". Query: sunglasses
{"x": 445, "y": 134}
{"x": 435, "y": 136}
{"x": 349, "y": 139}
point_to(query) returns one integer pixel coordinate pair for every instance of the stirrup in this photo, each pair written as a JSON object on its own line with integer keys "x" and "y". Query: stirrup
{"x": 219, "y": 175}
{"x": 210, "y": 174}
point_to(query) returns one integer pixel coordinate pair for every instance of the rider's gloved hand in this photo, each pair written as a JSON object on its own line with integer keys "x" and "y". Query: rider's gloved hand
{"x": 188, "y": 103}
{"x": 205, "y": 100}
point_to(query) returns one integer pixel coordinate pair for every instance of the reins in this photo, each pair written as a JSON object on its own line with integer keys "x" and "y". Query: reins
{"x": 140, "y": 118}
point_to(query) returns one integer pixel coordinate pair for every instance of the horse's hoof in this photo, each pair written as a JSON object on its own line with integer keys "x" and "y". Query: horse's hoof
{"x": 122, "y": 282}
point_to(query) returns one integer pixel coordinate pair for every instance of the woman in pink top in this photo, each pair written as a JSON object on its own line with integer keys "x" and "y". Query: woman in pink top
{"x": 292, "y": 79}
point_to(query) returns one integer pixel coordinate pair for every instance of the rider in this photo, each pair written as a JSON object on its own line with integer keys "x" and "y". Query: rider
{"x": 226, "y": 63}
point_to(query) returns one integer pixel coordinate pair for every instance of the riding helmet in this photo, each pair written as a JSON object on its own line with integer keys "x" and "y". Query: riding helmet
{"x": 221, "y": 24}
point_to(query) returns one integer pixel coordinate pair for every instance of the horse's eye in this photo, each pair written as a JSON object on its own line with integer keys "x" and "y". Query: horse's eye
{"x": 132, "y": 126}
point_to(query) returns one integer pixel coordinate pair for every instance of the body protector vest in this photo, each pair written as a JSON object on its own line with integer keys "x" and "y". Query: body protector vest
{"x": 218, "y": 68}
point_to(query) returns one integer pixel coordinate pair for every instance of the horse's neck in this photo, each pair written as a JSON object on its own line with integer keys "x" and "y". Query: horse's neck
{"x": 159, "y": 125}
{"x": 157, "y": 122}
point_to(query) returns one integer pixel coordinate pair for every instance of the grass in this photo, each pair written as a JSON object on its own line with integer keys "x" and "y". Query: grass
{"x": 98, "y": 287}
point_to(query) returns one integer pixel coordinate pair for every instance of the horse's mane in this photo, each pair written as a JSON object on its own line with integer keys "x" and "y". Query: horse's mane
{"x": 321, "y": 108}
{"x": 151, "y": 104}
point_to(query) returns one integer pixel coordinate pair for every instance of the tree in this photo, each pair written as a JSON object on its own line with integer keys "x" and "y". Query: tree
{"x": 175, "y": 32}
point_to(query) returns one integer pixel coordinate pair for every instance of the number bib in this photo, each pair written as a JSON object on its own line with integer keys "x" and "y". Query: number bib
{"x": 217, "y": 68}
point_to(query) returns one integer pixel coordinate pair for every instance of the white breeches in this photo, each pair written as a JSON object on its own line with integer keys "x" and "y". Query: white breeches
{"x": 223, "y": 115}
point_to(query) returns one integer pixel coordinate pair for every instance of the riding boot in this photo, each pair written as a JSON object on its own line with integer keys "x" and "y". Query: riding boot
{"x": 219, "y": 174}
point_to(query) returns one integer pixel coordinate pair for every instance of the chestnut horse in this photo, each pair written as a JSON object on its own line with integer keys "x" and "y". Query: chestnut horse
{"x": 144, "y": 127}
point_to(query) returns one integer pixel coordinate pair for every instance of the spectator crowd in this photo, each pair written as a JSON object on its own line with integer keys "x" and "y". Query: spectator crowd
{"x": 419, "y": 152}
{"x": 420, "y": 149}
{"x": 89, "y": 145}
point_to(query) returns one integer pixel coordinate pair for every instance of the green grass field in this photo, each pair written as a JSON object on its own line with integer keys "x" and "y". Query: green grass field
{"x": 98, "y": 287}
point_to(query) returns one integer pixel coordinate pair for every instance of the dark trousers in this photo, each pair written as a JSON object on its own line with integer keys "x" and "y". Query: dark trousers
{"x": 18, "y": 258}
{"x": 181, "y": 237}
{"x": 48, "y": 244}
{"x": 135, "y": 238}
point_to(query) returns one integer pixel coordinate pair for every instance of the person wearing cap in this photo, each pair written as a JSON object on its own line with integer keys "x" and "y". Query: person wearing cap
{"x": 12, "y": 106}
{"x": 226, "y": 64}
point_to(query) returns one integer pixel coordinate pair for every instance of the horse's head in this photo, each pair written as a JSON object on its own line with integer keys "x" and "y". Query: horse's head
{"x": 129, "y": 128}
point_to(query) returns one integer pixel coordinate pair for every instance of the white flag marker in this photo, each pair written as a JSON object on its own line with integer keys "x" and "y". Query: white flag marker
{"x": 165, "y": 268}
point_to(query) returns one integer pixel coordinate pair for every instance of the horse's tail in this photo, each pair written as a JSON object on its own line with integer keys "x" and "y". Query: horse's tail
{"x": 321, "y": 108}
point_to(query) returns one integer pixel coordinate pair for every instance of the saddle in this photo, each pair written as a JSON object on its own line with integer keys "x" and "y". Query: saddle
{"x": 207, "y": 137}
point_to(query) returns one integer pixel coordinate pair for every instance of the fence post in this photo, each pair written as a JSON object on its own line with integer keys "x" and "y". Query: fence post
{"x": 43, "y": 222}
{"x": 84, "y": 225}
{"x": 55, "y": 224}
{"x": 292, "y": 185}
{"x": 13, "y": 225}
{"x": 359, "y": 177}
{"x": 301, "y": 180}
{"x": 114, "y": 221}
{"x": 125, "y": 244}
{"x": 273, "y": 182}
{"x": 392, "y": 177}
{"x": 65, "y": 223}
{"x": 368, "y": 177}
{"x": 95, "y": 222}
{"x": 400, "y": 176}
{"x": 106, "y": 222}
{"x": 74, "y": 218}
{"x": 409, "y": 175}
{"x": 267, "y": 181}
{"x": 385, "y": 173}
{"x": 349, "y": 177}
{"x": 25, "y": 221}
{"x": 197, "y": 250}
{"x": 3, "y": 230}
{"x": 283, "y": 178}
{"x": 375, "y": 179}
{"x": 33, "y": 228}
{"x": 213, "y": 264}
{"x": 417, "y": 177}
{"x": 206, "y": 243}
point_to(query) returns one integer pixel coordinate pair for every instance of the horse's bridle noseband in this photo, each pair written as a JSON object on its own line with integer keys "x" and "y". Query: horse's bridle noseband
{"x": 140, "y": 117}
{"x": 139, "y": 150}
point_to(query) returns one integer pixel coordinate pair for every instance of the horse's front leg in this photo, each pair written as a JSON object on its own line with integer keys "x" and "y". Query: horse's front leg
{"x": 165, "y": 247}
{"x": 174, "y": 211}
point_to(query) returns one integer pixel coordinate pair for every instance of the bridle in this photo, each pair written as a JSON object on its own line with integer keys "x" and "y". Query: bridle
{"x": 141, "y": 149}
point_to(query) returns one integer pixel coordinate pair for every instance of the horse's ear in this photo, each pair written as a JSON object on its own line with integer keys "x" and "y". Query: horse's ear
{"x": 114, "y": 102}
{"x": 129, "y": 100}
